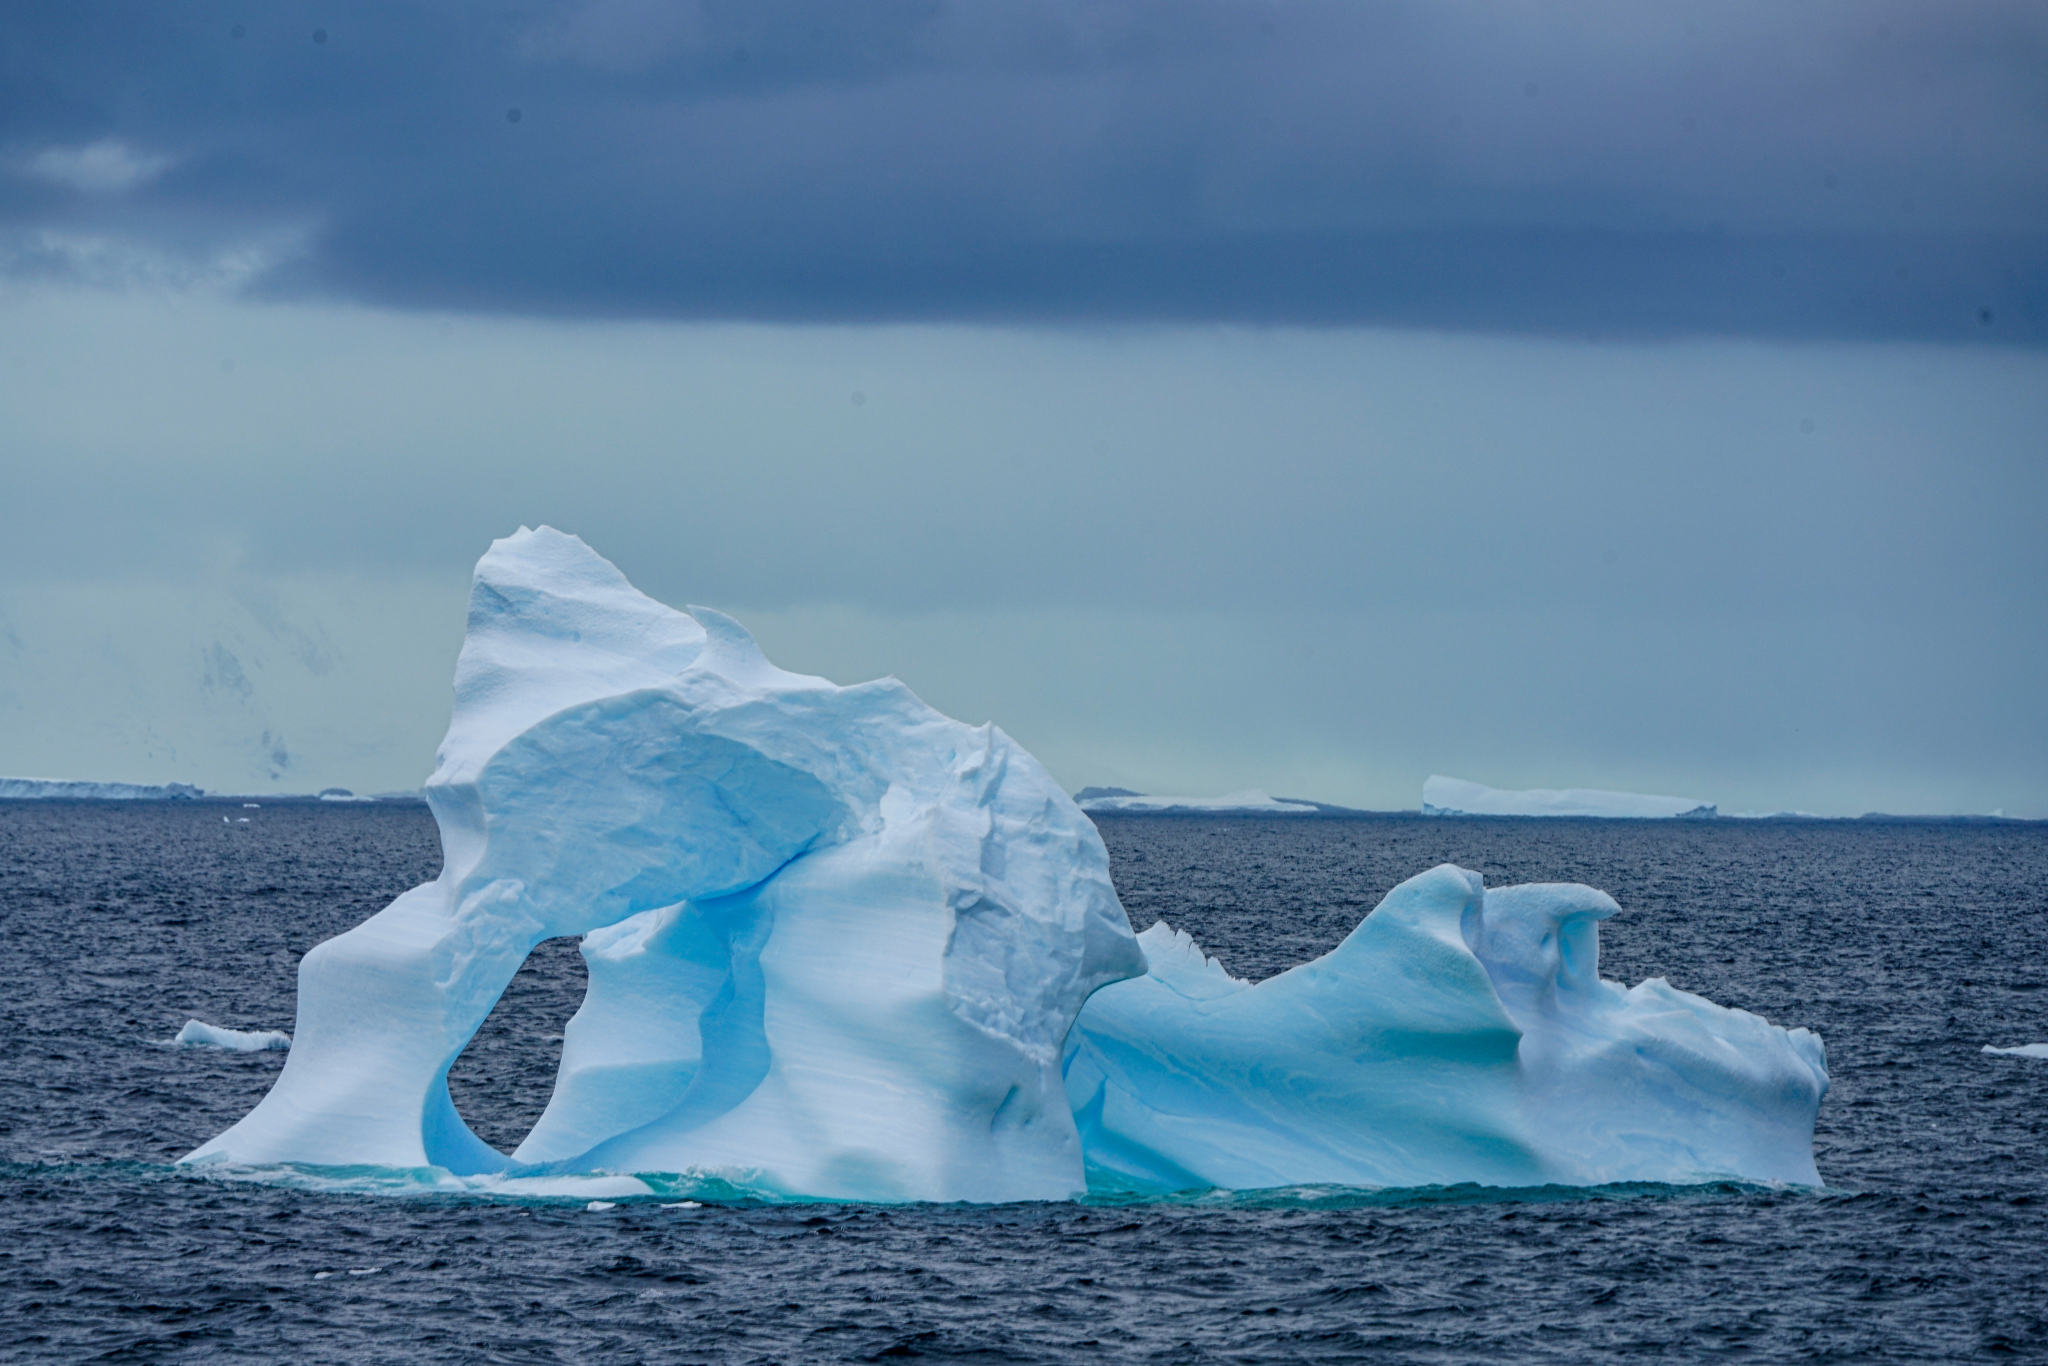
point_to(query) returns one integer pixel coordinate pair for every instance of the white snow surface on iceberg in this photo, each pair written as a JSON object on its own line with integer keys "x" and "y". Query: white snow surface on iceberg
{"x": 1443, "y": 796}
{"x": 1251, "y": 799}
{"x": 842, "y": 946}
{"x": 199, "y": 1034}
{"x": 836, "y": 938}
{"x": 2023, "y": 1050}
{"x": 1458, "y": 1034}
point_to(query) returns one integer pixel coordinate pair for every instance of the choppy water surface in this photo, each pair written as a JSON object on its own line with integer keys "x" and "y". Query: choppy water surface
{"x": 1907, "y": 946}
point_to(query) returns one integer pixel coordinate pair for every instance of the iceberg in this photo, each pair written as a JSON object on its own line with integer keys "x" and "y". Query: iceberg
{"x": 836, "y": 939}
{"x": 1458, "y": 1034}
{"x": 842, "y": 946}
{"x": 2021, "y": 1050}
{"x": 1251, "y": 800}
{"x": 47, "y": 789}
{"x": 199, "y": 1034}
{"x": 1443, "y": 796}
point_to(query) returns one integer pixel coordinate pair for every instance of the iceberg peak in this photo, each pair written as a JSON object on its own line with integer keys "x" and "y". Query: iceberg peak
{"x": 1175, "y": 959}
{"x": 731, "y": 649}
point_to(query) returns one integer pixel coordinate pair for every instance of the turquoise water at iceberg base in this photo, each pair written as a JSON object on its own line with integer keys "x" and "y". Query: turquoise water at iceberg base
{"x": 1907, "y": 946}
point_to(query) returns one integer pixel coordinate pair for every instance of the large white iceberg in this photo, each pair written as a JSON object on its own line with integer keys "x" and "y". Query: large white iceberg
{"x": 1249, "y": 801}
{"x": 1443, "y": 796}
{"x": 842, "y": 946}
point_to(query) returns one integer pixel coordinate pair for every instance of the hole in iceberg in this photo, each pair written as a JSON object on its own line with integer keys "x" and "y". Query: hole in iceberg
{"x": 503, "y": 1079}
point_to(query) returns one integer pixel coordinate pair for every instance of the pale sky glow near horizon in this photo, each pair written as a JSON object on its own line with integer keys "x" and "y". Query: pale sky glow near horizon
{"x": 1680, "y": 433}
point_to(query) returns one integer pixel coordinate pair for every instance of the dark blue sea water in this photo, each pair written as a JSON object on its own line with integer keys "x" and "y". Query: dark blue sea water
{"x": 1907, "y": 946}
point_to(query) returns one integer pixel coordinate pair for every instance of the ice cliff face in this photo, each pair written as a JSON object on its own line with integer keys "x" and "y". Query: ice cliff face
{"x": 839, "y": 940}
{"x": 842, "y": 946}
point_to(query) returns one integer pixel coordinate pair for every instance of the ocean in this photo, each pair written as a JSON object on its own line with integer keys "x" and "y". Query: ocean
{"x": 1907, "y": 946}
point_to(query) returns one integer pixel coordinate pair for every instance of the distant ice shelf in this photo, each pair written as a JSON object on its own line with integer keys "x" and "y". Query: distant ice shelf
{"x": 37, "y": 789}
{"x": 1110, "y": 800}
{"x": 85, "y": 790}
{"x": 842, "y": 946}
{"x": 1443, "y": 796}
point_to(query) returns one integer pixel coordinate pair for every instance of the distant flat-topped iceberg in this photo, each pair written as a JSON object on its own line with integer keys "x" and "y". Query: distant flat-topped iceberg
{"x": 1460, "y": 1033}
{"x": 1109, "y": 800}
{"x": 40, "y": 789}
{"x": 200, "y": 1034}
{"x": 842, "y": 946}
{"x": 1443, "y": 796}
{"x": 835, "y": 939}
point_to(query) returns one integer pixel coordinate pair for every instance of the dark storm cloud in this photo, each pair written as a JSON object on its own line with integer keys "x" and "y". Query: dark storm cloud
{"x": 1810, "y": 169}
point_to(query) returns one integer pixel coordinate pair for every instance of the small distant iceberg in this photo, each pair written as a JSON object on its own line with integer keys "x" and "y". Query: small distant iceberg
{"x": 2024, "y": 1050}
{"x": 1443, "y": 796}
{"x": 43, "y": 789}
{"x": 1109, "y": 800}
{"x": 199, "y": 1034}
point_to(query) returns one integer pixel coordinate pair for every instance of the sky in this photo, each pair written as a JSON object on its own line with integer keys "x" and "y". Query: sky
{"x": 1304, "y": 396}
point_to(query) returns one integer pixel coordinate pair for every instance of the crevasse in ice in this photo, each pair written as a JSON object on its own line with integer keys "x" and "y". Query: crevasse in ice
{"x": 840, "y": 945}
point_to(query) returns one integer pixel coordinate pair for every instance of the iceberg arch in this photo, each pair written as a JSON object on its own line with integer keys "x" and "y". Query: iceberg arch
{"x": 842, "y": 946}
{"x": 1458, "y": 1034}
{"x": 880, "y": 922}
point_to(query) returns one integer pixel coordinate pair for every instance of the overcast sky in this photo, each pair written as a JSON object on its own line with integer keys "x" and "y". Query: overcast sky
{"x": 1309, "y": 396}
